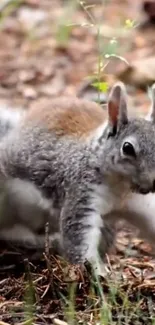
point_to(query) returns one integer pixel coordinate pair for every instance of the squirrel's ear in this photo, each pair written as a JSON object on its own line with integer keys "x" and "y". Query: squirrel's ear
{"x": 151, "y": 115}
{"x": 117, "y": 107}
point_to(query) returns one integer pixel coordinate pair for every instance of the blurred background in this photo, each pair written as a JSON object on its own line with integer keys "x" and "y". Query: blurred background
{"x": 54, "y": 47}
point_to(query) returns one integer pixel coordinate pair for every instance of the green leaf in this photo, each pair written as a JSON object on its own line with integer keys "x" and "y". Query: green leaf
{"x": 129, "y": 23}
{"x": 101, "y": 86}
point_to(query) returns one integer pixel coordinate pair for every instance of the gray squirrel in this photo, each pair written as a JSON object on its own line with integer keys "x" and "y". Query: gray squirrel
{"x": 64, "y": 164}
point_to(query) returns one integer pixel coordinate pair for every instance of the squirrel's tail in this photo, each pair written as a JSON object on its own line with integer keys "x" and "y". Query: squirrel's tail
{"x": 9, "y": 119}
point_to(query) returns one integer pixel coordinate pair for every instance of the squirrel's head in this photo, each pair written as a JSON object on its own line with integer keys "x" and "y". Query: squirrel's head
{"x": 130, "y": 143}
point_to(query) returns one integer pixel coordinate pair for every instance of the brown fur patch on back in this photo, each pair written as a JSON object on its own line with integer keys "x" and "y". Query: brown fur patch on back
{"x": 68, "y": 116}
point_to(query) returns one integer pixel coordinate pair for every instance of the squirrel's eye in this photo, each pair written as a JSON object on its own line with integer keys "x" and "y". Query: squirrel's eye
{"x": 128, "y": 149}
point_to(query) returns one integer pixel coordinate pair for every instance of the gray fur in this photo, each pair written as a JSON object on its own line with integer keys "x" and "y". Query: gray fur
{"x": 21, "y": 201}
{"x": 151, "y": 115}
{"x": 85, "y": 182}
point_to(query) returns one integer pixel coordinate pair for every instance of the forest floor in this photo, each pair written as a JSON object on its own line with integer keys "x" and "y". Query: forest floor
{"x": 49, "y": 48}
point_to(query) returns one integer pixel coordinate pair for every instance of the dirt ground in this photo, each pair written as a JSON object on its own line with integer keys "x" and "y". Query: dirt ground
{"x": 49, "y": 48}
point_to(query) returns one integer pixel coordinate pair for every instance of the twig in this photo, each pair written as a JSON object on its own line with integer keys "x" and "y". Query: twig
{"x": 47, "y": 239}
{"x": 27, "y": 266}
{"x": 58, "y": 263}
{"x": 50, "y": 272}
{"x": 57, "y": 321}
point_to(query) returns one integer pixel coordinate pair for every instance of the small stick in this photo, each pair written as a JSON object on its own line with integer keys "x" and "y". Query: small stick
{"x": 47, "y": 250}
{"x": 57, "y": 321}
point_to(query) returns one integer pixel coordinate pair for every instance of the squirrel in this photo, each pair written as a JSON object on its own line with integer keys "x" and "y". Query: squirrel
{"x": 85, "y": 172}
{"x": 9, "y": 119}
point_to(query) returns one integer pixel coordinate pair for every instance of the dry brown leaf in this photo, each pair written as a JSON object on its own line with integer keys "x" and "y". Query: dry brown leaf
{"x": 140, "y": 73}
